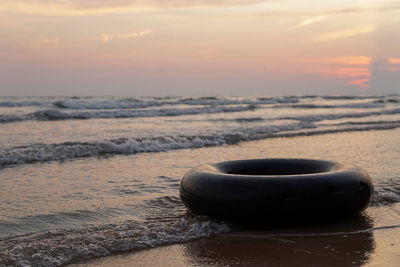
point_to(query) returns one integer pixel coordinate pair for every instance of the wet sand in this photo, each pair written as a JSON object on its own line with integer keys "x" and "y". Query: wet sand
{"x": 371, "y": 240}
{"x": 363, "y": 241}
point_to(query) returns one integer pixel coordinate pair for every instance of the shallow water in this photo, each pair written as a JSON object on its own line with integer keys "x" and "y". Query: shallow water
{"x": 75, "y": 189}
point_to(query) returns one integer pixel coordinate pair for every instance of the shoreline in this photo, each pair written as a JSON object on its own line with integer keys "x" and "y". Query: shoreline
{"x": 153, "y": 236}
{"x": 371, "y": 240}
{"x": 362, "y": 241}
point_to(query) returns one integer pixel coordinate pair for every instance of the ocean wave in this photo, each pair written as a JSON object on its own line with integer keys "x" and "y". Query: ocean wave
{"x": 71, "y": 109}
{"x": 375, "y": 122}
{"x": 145, "y": 102}
{"x": 62, "y": 247}
{"x": 124, "y": 146}
{"x": 352, "y": 105}
{"x": 388, "y": 100}
{"x": 386, "y": 197}
{"x": 165, "y": 222}
{"x": 48, "y": 222}
{"x": 387, "y": 192}
{"x": 4, "y": 118}
{"x": 53, "y": 114}
{"x": 350, "y": 97}
{"x": 133, "y": 103}
{"x": 159, "y": 208}
{"x": 120, "y": 103}
{"x": 249, "y": 119}
{"x": 329, "y": 116}
{"x": 357, "y": 128}
{"x": 18, "y": 103}
{"x": 136, "y": 103}
{"x": 336, "y": 116}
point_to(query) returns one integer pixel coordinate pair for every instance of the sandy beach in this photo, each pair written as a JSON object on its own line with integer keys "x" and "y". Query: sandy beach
{"x": 341, "y": 244}
{"x": 371, "y": 240}
{"x": 110, "y": 196}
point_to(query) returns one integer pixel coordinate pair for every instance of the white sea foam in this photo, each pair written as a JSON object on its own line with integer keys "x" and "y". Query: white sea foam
{"x": 51, "y": 114}
{"x": 118, "y": 103}
{"x": 19, "y": 103}
{"x": 123, "y": 146}
{"x": 69, "y": 150}
{"x": 56, "y": 114}
{"x": 132, "y": 103}
{"x": 92, "y": 108}
{"x": 382, "y": 197}
{"x": 387, "y": 192}
{"x": 63, "y": 247}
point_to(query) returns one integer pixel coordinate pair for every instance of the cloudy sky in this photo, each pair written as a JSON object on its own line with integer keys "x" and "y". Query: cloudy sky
{"x": 199, "y": 47}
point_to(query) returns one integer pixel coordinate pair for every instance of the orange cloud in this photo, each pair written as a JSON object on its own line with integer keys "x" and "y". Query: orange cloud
{"x": 349, "y": 72}
{"x": 354, "y": 69}
{"x": 394, "y": 60}
{"x": 360, "y": 60}
{"x": 363, "y": 83}
{"x": 355, "y": 76}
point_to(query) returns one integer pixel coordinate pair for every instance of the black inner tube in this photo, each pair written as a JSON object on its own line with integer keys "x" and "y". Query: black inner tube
{"x": 276, "y": 189}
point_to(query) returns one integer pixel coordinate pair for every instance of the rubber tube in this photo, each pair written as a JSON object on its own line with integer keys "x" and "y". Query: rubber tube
{"x": 276, "y": 190}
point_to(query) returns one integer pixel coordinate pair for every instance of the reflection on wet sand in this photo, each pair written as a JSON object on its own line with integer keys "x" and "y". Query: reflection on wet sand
{"x": 347, "y": 243}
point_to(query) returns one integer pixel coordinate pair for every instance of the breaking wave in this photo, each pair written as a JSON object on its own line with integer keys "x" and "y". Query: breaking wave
{"x": 13, "y": 118}
{"x": 336, "y": 116}
{"x": 132, "y": 103}
{"x": 350, "y": 97}
{"x": 62, "y": 247}
{"x": 351, "y": 105}
{"x": 53, "y": 114}
{"x": 387, "y": 192}
{"x": 125, "y": 146}
{"x": 18, "y": 103}
{"x": 168, "y": 224}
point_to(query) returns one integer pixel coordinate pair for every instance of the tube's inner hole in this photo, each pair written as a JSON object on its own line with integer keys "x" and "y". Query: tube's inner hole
{"x": 279, "y": 168}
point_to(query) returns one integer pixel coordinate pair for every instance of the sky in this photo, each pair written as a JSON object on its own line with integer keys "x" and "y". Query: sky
{"x": 199, "y": 47}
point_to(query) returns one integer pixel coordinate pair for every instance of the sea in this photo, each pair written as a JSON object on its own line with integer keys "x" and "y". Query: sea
{"x": 89, "y": 177}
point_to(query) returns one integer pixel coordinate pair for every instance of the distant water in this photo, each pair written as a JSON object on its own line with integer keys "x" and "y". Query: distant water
{"x": 78, "y": 180}
{"x": 47, "y": 129}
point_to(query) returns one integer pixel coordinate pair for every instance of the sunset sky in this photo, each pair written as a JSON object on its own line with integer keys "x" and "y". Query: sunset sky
{"x": 199, "y": 47}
